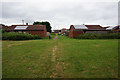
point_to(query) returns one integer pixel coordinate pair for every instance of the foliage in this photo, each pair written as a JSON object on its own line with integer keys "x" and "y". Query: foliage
{"x": 19, "y": 36}
{"x": 58, "y": 34}
{"x": 53, "y": 34}
{"x": 48, "y": 27}
{"x": 96, "y": 36}
{"x": 3, "y": 24}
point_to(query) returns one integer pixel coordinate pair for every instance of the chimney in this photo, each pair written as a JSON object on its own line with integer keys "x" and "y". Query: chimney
{"x": 26, "y": 23}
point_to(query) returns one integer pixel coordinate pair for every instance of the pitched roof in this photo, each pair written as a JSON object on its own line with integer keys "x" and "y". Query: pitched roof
{"x": 105, "y": 27}
{"x": 89, "y": 27}
{"x": 94, "y": 27}
{"x": 24, "y": 27}
{"x": 112, "y": 27}
{"x": 80, "y": 27}
{"x": 35, "y": 27}
{"x": 8, "y": 28}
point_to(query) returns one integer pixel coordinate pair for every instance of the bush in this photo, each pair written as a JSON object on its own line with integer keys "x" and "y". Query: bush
{"x": 97, "y": 36}
{"x": 53, "y": 34}
{"x": 110, "y": 36}
{"x": 87, "y": 36}
{"x": 19, "y": 36}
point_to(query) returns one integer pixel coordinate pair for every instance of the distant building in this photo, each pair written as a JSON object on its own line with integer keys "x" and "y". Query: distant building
{"x": 105, "y": 27}
{"x": 65, "y": 31}
{"x": 76, "y": 30}
{"x": 56, "y": 31}
{"x": 31, "y": 29}
{"x": 113, "y": 28}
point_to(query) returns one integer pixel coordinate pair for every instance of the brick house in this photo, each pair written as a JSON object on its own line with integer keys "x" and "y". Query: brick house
{"x": 113, "y": 28}
{"x": 64, "y": 31}
{"x": 56, "y": 31}
{"x": 31, "y": 29}
{"x": 76, "y": 30}
{"x": 0, "y": 26}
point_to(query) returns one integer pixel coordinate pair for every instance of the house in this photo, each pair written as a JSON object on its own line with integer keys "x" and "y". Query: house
{"x": 0, "y": 26}
{"x": 65, "y": 31}
{"x": 113, "y": 28}
{"x": 31, "y": 29}
{"x": 56, "y": 31}
{"x": 76, "y": 30}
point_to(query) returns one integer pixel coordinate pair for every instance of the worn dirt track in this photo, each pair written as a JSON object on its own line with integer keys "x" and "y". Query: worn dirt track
{"x": 58, "y": 67}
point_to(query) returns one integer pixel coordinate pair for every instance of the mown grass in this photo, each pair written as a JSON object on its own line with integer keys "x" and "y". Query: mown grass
{"x": 90, "y": 58}
{"x": 76, "y": 58}
{"x": 27, "y": 59}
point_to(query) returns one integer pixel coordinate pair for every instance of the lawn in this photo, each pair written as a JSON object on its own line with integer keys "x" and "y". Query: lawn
{"x": 61, "y": 58}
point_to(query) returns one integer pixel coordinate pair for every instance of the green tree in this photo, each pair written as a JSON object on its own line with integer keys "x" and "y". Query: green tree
{"x": 2, "y": 24}
{"x": 48, "y": 27}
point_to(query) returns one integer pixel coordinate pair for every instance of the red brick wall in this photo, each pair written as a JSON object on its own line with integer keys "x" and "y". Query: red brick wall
{"x": 77, "y": 33}
{"x": 116, "y": 29}
{"x": 73, "y": 33}
{"x": 45, "y": 31}
{"x": 40, "y": 33}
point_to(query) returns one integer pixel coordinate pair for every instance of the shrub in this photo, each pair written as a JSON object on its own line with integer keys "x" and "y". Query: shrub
{"x": 98, "y": 36}
{"x": 110, "y": 36}
{"x": 59, "y": 34}
{"x": 87, "y": 36}
{"x": 36, "y": 37}
{"x": 18, "y": 36}
{"x": 53, "y": 34}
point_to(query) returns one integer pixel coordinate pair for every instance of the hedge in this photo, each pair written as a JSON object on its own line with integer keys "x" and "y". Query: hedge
{"x": 97, "y": 36}
{"x": 19, "y": 36}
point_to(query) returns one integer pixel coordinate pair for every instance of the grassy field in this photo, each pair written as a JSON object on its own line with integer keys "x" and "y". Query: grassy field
{"x": 61, "y": 58}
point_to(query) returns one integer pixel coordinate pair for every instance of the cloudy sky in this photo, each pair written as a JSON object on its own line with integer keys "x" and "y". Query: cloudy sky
{"x": 60, "y": 13}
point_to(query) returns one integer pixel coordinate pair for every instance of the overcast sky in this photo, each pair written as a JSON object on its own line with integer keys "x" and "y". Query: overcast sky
{"x": 60, "y": 13}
